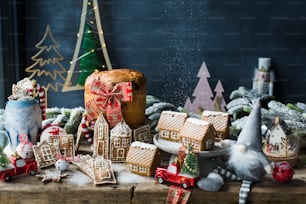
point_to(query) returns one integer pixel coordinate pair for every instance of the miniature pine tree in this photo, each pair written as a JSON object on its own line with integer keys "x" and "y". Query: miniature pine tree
{"x": 4, "y": 160}
{"x": 90, "y": 60}
{"x": 191, "y": 164}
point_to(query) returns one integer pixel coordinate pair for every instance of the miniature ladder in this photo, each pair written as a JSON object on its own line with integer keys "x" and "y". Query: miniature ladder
{"x": 67, "y": 84}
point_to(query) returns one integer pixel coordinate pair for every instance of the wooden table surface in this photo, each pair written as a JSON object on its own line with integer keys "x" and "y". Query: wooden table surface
{"x": 132, "y": 188}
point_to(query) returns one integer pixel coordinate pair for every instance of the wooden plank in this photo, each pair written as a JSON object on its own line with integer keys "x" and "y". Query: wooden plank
{"x": 132, "y": 188}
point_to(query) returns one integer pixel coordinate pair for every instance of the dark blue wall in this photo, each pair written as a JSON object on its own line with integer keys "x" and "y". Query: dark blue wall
{"x": 169, "y": 40}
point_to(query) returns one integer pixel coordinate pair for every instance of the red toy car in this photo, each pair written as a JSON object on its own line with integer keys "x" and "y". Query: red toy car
{"x": 172, "y": 174}
{"x": 18, "y": 166}
{"x": 282, "y": 172}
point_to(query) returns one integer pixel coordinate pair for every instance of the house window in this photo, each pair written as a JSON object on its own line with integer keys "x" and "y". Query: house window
{"x": 120, "y": 153}
{"x": 116, "y": 142}
{"x": 98, "y": 165}
{"x": 47, "y": 153}
{"x": 63, "y": 152}
{"x": 125, "y": 142}
{"x": 174, "y": 135}
{"x": 140, "y": 137}
{"x": 186, "y": 141}
{"x": 134, "y": 167}
{"x": 208, "y": 143}
{"x": 55, "y": 141}
{"x": 64, "y": 140}
{"x": 142, "y": 169}
{"x": 100, "y": 131}
{"x": 164, "y": 134}
{"x": 195, "y": 144}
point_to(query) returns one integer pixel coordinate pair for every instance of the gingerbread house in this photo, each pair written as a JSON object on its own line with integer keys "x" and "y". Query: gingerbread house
{"x": 120, "y": 141}
{"x": 64, "y": 144}
{"x": 45, "y": 153}
{"x": 143, "y": 134}
{"x": 101, "y": 137}
{"x": 170, "y": 124}
{"x": 220, "y": 121}
{"x": 143, "y": 158}
{"x": 199, "y": 133}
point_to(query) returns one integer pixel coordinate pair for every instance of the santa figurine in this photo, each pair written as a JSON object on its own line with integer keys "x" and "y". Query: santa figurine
{"x": 246, "y": 162}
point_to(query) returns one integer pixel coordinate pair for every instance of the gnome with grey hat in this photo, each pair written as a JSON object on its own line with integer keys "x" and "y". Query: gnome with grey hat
{"x": 246, "y": 163}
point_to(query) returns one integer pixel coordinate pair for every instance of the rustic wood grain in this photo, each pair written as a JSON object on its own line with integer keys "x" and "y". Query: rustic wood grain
{"x": 139, "y": 189}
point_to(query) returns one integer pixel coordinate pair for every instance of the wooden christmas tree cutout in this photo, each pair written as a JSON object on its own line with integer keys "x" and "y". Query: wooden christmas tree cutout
{"x": 47, "y": 63}
{"x": 203, "y": 95}
{"x": 68, "y": 86}
{"x": 219, "y": 102}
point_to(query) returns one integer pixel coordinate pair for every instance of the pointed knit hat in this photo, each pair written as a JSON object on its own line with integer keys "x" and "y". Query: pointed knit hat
{"x": 251, "y": 132}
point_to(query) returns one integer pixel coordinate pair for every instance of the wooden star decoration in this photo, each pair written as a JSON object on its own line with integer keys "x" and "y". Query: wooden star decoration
{"x": 55, "y": 176}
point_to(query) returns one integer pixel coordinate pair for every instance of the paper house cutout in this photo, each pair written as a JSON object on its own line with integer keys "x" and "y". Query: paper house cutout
{"x": 120, "y": 141}
{"x": 170, "y": 124}
{"x": 220, "y": 121}
{"x": 199, "y": 133}
{"x": 143, "y": 158}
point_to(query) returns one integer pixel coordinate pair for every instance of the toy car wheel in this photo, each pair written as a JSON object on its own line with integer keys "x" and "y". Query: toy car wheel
{"x": 7, "y": 178}
{"x": 32, "y": 172}
{"x": 160, "y": 180}
{"x": 184, "y": 185}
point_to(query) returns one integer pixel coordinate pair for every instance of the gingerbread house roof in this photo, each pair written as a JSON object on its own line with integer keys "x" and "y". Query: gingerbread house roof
{"x": 141, "y": 153}
{"x": 195, "y": 128}
{"x": 121, "y": 130}
{"x": 171, "y": 120}
{"x": 220, "y": 120}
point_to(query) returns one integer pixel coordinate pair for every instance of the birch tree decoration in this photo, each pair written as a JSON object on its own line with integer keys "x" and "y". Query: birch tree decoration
{"x": 47, "y": 68}
{"x": 93, "y": 53}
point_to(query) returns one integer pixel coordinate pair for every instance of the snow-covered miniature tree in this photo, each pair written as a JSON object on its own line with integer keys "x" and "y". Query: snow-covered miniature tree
{"x": 4, "y": 160}
{"x": 202, "y": 93}
{"x": 219, "y": 102}
{"x": 191, "y": 164}
{"x": 47, "y": 69}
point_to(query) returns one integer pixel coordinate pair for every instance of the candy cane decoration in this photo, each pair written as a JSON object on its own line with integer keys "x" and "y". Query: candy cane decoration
{"x": 85, "y": 129}
{"x": 39, "y": 91}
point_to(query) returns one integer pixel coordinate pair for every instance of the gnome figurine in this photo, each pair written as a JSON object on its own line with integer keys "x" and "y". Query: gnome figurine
{"x": 247, "y": 162}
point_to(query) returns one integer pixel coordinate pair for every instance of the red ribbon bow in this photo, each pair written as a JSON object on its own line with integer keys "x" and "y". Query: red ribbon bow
{"x": 109, "y": 100}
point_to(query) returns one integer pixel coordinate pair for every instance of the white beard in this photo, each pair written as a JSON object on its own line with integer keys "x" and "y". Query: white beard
{"x": 247, "y": 165}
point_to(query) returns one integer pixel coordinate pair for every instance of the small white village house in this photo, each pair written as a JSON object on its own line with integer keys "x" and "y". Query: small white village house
{"x": 278, "y": 141}
{"x": 199, "y": 133}
{"x": 170, "y": 124}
